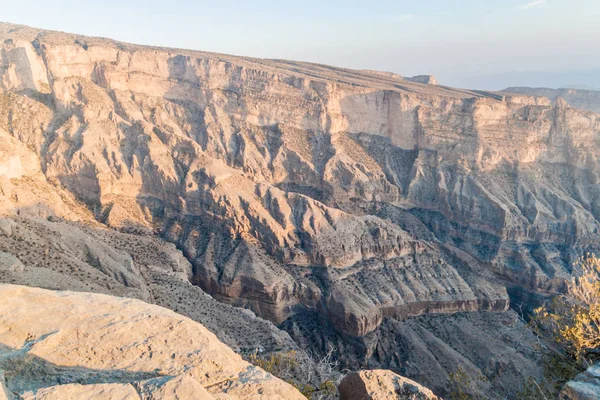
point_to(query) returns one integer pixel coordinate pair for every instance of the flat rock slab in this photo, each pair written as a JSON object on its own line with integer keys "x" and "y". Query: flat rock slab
{"x": 56, "y": 344}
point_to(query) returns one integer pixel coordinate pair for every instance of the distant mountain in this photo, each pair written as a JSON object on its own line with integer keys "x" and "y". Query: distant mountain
{"x": 577, "y": 79}
{"x": 588, "y": 100}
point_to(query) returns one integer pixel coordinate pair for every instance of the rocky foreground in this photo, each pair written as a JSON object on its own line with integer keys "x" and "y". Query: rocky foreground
{"x": 66, "y": 345}
{"x": 390, "y": 219}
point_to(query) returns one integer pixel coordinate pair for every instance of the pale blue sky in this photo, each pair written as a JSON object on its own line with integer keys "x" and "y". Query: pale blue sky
{"x": 458, "y": 41}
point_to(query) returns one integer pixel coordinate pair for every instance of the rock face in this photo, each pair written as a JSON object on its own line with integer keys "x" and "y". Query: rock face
{"x": 382, "y": 385}
{"x": 578, "y": 98}
{"x": 291, "y": 189}
{"x": 65, "y": 345}
{"x": 427, "y": 79}
{"x": 266, "y": 189}
{"x": 585, "y": 386}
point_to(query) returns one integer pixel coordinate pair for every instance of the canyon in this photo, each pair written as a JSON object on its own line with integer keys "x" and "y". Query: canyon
{"x": 288, "y": 205}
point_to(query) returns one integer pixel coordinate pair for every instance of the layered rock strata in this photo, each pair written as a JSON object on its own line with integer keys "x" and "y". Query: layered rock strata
{"x": 294, "y": 188}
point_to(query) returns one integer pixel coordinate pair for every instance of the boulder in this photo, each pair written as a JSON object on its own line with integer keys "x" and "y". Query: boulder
{"x": 66, "y": 345}
{"x": 585, "y": 386}
{"x": 382, "y": 385}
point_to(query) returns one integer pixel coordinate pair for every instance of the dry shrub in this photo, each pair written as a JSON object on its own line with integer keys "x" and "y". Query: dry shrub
{"x": 572, "y": 320}
{"x": 316, "y": 378}
{"x": 569, "y": 325}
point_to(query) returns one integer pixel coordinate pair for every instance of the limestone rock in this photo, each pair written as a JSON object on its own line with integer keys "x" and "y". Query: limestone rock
{"x": 273, "y": 176}
{"x": 60, "y": 344}
{"x": 429, "y": 348}
{"x": 178, "y": 387}
{"x": 382, "y": 385}
{"x": 585, "y": 386}
{"x": 74, "y": 391}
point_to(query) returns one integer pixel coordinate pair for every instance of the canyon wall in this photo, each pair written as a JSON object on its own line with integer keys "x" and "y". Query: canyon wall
{"x": 294, "y": 188}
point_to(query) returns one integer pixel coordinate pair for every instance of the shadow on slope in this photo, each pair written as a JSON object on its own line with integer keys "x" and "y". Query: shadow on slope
{"x": 24, "y": 371}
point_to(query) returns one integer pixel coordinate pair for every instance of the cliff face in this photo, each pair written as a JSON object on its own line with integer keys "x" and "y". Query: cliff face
{"x": 276, "y": 177}
{"x": 294, "y": 187}
{"x": 579, "y": 98}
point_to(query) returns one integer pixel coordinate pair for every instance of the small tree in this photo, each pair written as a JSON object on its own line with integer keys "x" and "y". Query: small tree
{"x": 572, "y": 320}
{"x": 570, "y": 325}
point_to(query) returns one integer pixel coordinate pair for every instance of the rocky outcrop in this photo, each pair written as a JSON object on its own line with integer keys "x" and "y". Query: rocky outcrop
{"x": 179, "y": 387}
{"x": 427, "y": 79}
{"x": 585, "y": 386}
{"x": 65, "y": 345}
{"x": 382, "y": 385}
{"x": 578, "y": 98}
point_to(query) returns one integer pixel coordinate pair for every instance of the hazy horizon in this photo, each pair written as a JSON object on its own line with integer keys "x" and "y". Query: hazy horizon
{"x": 483, "y": 45}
